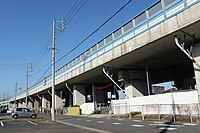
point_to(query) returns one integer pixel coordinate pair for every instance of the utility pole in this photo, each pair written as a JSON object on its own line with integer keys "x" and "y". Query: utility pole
{"x": 53, "y": 71}
{"x": 27, "y": 86}
{"x": 3, "y": 99}
{"x": 15, "y": 95}
{"x": 61, "y": 28}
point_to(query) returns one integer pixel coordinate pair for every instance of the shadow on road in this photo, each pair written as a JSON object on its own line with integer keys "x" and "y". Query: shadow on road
{"x": 165, "y": 127}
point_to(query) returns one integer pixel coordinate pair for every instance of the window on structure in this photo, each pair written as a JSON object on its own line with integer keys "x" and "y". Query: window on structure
{"x": 140, "y": 18}
{"x": 94, "y": 48}
{"x": 118, "y": 33}
{"x": 82, "y": 56}
{"x": 87, "y": 52}
{"x": 79, "y": 58}
{"x": 156, "y": 8}
{"x": 109, "y": 39}
{"x": 128, "y": 26}
{"x": 168, "y": 2}
{"x": 101, "y": 44}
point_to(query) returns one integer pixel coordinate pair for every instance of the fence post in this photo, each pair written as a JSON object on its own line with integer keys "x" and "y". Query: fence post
{"x": 190, "y": 113}
{"x": 158, "y": 106}
{"x": 142, "y": 113}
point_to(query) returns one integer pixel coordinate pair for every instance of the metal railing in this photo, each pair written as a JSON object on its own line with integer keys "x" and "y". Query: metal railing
{"x": 154, "y": 15}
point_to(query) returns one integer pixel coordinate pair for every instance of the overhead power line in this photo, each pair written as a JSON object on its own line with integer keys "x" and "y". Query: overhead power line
{"x": 68, "y": 18}
{"x": 94, "y": 31}
{"x": 12, "y": 66}
{"x": 75, "y": 11}
{"x": 87, "y": 36}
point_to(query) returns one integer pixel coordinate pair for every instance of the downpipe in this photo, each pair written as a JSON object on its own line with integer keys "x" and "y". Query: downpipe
{"x": 104, "y": 71}
{"x": 185, "y": 52}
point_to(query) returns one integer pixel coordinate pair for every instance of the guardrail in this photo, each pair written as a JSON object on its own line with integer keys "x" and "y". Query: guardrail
{"x": 154, "y": 15}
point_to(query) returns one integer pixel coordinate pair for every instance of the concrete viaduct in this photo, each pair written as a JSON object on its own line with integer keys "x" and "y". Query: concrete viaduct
{"x": 138, "y": 54}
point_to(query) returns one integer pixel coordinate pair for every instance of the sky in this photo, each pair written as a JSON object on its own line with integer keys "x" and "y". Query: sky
{"x": 26, "y": 31}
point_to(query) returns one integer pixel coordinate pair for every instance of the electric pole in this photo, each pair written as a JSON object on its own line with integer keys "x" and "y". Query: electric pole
{"x": 15, "y": 95}
{"x": 61, "y": 28}
{"x": 53, "y": 71}
{"x": 27, "y": 86}
{"x": 3, "y": 99}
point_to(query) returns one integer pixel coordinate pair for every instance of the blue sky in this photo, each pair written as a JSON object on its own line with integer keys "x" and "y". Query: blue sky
{"x": 26, "y": 27}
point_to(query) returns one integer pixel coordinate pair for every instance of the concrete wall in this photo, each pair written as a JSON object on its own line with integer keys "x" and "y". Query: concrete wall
{"x": 87, "y": 108}
{"x": 164, "y": 103}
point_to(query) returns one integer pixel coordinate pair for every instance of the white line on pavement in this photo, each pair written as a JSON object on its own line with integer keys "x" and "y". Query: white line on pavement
{"x": 88, "y": 120}
{"x": 2, "y": 124}
{"x": 167, "y": 128}
{"x": 100, "y": 121}
{"x": 190, "y": 124}
{"x": 79, "y": 119}
{"x": 166, "y": 125}
{"x": 158, "y": 122}
{"x": 32, "y": 122}
{"x": 137, "y": 120}
{"x": 137, "y": 125}
{"x": 87, "y": 128}
{"x": 116, "y": 123}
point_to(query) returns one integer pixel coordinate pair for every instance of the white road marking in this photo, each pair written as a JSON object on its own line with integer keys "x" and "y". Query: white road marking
{"x": 137, "y": 125}
{"x": 167, "y": 128}
{"x": 86, "y": 128}
{"x": 166, "y": 125}
{"x": 137, "y": 120}
{"x": 79, "y": 119}
{"x": 88, "y": 120}
{"x": 158, "y": 122}
{"x": 116, "y": 123}
{"x": 2, "y": 124}
{"x": 32, "y": 123}
{"x": 100, "y": 121}
{"x": 190, "y": 124}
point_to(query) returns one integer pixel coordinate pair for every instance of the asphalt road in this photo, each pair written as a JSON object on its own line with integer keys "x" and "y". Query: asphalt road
{"x": 128, "y": 126}
{"x": 39, "y": 125}
{"x": 88, "y": 124}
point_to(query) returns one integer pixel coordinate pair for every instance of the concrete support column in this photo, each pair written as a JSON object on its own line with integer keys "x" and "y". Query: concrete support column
{"x": 78, "y": 94}
{"x": 196, "y": 55}
{"x": 70, "y": 99}
{"x": 58, "y": 100}
{"x": 31, "y": 103}
{"x": 21, "y": 104}
{"x": 45, "y": 103}
{"x": 135, "y": 82}
{"x": 37, "y": 104}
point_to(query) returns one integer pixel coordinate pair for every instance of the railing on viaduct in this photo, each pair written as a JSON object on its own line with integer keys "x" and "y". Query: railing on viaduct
{"x": 154, "y": 15}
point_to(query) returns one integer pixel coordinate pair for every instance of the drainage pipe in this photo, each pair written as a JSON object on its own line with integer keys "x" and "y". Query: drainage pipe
{"x": 185, "y": 52}
{"x": 113, "y": 80}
